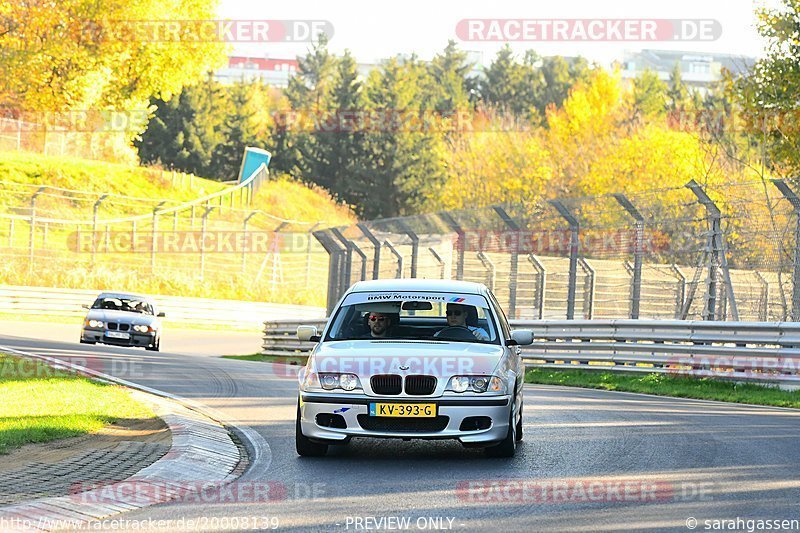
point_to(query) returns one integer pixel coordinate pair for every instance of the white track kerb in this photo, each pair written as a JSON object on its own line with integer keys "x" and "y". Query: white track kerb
{"x": 202, "y": 457}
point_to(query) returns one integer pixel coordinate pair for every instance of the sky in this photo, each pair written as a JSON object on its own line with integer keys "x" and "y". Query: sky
{"x": 374, "y": 30}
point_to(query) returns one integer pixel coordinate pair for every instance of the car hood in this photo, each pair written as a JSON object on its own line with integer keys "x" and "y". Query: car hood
{"x": 441, "y": 359}
{"x": 122, "y": 317}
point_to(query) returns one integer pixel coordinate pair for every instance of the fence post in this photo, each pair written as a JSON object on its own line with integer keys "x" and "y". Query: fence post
{"x": 347, "y": 275}
{"x": 794, "y": 200}
{"x": 681, "y": 293}
{"x": 461, "y": 242}
{"x": 246, "y": 247}
{"x": 490, "y": 269}
{"x": 208, "y": 210}
{"x": 573, "y": 255}
{"x": 308, "y": 252}
{"x": 399, "y": 257}
{"x": 514, "y": 267}
{"x": 352, "y": 247}
{"x": 763, "y": 308}
{"x": 95, "y": 209}
{"x": 541, "y": 275}
{"x": 376, "y": 245}
{"x": 414, "y": 245}
{"x": 638, "y": 252}
{"x": 334, "y": 251}
{"x": 155, "y": 235}
{"x": 439, "y": 260}
{"x": 718, "y": 256}
{"x": 11, "y": 233}
{"x": 31, "y": 236}
{"x": 588, "y": 288}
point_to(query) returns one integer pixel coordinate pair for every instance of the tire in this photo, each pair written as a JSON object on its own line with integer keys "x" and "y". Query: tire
{"x": 306, "y": 447}
{"x": 87, "y": 342}
{"x": 519, "y": 425}
{"x": 508, "y": 446}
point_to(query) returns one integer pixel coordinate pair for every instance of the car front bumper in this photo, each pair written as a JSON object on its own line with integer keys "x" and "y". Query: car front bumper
{"x": 136, "y": 339}
{"x": 353, "y": 409}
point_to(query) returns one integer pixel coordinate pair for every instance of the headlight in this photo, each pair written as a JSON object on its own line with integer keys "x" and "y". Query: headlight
{"x": 95, "y": 324}
{"x": 142, "y": 328}
{"x": 493, "y": 384}
{"x": 330, "y": 381}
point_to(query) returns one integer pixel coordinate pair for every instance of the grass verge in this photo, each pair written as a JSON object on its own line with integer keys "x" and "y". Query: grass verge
{"x": 667, "y": 385}
{"x": 40, "y": 404}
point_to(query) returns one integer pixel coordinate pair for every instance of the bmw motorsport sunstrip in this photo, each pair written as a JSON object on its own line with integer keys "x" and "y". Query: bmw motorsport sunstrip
{"x": 413, "y": 359}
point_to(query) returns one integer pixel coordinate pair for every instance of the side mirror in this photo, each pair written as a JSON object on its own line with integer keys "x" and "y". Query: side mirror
{"x": 161, "y": 315}
{"x": 85, "y": 306}
{"x": 522, "y": 337}
{"x": 307, "y": 333}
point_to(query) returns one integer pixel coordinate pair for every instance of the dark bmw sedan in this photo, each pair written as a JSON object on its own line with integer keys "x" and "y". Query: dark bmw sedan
{"x": 123, "y": 319}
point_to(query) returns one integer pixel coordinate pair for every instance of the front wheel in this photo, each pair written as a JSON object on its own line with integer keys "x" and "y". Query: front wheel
{"x": 508, "y": 446}
{"x": 306, "y": 447}
{"x": 519, "y": 424}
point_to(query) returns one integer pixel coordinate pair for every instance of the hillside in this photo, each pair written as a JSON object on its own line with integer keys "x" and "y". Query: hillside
{"x": 69, "y": 189}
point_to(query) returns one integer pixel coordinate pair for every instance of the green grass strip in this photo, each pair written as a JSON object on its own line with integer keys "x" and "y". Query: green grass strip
{"x": 667, "y": 385}
{"x": 39, "y": 404}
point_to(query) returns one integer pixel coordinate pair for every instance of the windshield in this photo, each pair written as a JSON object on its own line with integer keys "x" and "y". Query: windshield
{"x": 131, "y": 305}
{"x": 415, "y": 316}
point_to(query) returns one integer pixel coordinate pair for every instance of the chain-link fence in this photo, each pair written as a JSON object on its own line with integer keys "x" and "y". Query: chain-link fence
{"x": 693, "y": 252}
{"x": 216, "y": 246}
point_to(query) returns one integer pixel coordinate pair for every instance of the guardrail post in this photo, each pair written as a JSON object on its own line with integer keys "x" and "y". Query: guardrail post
{"x": 574, "y": 243}
{"x": 397, "y": 254}
{"x": 414, "y": 245}
{"x": 153, "y": 247}
{"x": 541, "y": 284}
{"x": 461, "y": 243}
{"x": 246, "y": 247}
{"x": 31, "y": 236}
{"x": 794, "y": 200}
{"x": 439, "y": 260}
{"x": 514, "y": 267}
{"x": 376, "y": 246}
{"x": 335, "y": 253}
{"x": 638, "y": 252}
{"x": 717, "y": 255}
{"x": 588, "y": 288}
{"x": 208, "y": 210}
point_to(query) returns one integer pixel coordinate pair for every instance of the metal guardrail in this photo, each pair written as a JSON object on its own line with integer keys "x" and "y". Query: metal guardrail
{"x": 30, "y": 301}
{"x": 745, "y": 351}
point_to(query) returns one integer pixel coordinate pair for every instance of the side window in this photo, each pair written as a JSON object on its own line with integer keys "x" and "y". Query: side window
{"x": 501, "y": 316}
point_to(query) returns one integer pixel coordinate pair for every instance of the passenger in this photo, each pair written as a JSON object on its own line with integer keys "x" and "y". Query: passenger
{"x": 457, "y": 317}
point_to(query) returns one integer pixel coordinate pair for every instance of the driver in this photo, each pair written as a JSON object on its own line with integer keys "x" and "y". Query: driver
{"x": 380, "y": 325}
{"x": 457, "y": 318}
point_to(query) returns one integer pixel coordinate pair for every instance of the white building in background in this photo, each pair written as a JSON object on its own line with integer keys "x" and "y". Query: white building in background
{"x": 698, "y": 69}
{"x": 273, "y": 71}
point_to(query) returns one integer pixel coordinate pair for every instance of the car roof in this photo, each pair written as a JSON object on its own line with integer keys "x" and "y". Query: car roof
{"x": 125, "y": 295}
{"x": 413, "y": 284}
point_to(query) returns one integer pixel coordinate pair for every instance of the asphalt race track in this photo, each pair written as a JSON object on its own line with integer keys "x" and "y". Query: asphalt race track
{"x": 591, "y": 460}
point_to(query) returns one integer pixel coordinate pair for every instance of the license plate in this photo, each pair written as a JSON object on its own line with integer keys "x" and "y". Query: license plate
{"x": 117, "y": 335}
{"x": 410, "y": 410}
